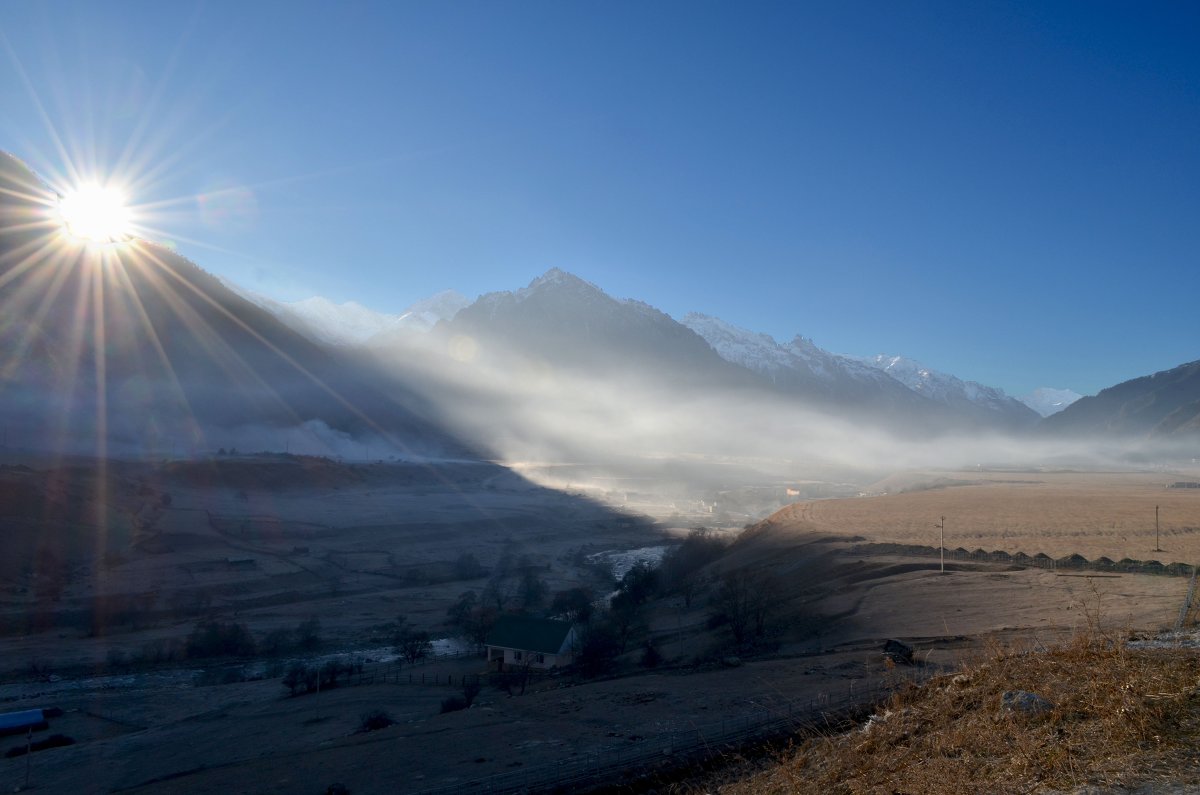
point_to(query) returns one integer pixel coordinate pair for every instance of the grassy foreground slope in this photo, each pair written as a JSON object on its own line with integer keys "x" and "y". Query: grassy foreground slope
{"x": 1123, "y": 719}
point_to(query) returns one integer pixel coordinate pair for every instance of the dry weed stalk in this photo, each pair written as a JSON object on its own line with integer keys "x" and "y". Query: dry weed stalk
{"x": 1120, "y": 715}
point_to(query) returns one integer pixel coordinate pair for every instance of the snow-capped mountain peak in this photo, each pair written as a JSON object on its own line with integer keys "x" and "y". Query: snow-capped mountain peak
{"x": 424, "y": 314}
{"x": 914, "y": 375}
{"x": 556, "y": 278}
{"x": 750, "y": 349}
{"x": 942, "y": 387}
{"x": 1047, "y": 400}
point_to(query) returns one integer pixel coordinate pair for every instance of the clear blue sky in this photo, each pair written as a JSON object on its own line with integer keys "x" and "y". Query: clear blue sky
{"x": 1009, "y": 192}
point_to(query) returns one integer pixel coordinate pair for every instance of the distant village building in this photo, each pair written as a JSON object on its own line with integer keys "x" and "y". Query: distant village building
{"x": 521, "y": 642}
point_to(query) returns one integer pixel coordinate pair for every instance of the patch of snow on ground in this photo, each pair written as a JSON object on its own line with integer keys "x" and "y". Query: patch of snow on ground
{"x": 622, "y": 560}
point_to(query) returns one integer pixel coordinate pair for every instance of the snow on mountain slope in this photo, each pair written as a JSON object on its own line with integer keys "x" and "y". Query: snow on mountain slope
{"x": 802, "y": 364}
{"x": 1047, "y": 400}
{"x": 943, "y": 387}
{"x": 754, "y": 351}
{"x": 424, "y": 314}
{"x": 341, "y": 324}
{"x": 765, "y": 356}
{"x": 351, "y": 323}
{"x": 801, "y": 368}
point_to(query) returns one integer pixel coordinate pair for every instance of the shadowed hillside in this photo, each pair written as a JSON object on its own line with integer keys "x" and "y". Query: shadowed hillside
{"x": 1161, "y": 405}
{"x": 136, "y": 347}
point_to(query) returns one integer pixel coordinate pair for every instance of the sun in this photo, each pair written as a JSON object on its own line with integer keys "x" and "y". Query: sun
{"x": 96, "y": 213}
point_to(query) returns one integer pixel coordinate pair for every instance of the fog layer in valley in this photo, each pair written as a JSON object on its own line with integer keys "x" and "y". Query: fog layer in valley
{"x": 628, "y": 423}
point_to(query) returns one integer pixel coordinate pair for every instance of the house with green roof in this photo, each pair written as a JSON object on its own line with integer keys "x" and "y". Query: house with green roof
{"x": 523, "y": 642}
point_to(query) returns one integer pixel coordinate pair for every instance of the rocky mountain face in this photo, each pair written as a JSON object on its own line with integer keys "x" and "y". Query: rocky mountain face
{"x": 566, "y": 323}
{"x": 572, "y": 325}
{"x": 889, "y": 386}
{"x": 1165, "y": 404}
{"x": 802, "y": 369}
{"x": 966, "y": 397}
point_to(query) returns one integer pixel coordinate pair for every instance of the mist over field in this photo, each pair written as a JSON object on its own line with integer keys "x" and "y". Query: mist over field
{"x": 528, "y": 411}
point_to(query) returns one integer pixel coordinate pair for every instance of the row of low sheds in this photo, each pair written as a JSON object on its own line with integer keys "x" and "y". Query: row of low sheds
{"x": 1041, "y": 560}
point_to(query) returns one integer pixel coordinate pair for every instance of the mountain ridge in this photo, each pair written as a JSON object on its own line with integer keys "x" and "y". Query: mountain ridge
{"x": 1162, "y": 404}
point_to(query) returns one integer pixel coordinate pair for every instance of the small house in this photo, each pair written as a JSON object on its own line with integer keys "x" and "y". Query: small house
{"x": 522, "y": 642}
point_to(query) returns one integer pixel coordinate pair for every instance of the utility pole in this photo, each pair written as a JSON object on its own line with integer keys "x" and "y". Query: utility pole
{"x": 1156, "y": 546}
{"x": 942, "y": 542}
{"x": 28, "y": 753}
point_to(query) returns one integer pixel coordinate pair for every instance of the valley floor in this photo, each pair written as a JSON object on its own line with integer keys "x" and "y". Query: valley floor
{"x": 252, "y": 737}
{"x": 371, "y": 548}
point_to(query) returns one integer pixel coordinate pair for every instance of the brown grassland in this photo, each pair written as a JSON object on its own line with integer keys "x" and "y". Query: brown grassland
{"x": 1122, "y": 718}
{"x": 1058, "y": 513}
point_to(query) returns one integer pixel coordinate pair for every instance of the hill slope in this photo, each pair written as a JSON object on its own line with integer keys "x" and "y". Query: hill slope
{"x": 1164, "y": 404}
{"x": 133, "y": 347}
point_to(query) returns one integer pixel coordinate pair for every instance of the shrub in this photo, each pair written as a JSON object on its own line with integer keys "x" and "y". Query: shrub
{"x": 453, "y": 704}
{"x": 575, "y": 604}
{"x": 374, "y": 720}
{"x": 651, "y": 658}
{"x": 308, "y": 634}
{"x": 300, "y": 679}
{"x": 680, "y": 564}
{"x": 598, "y": 650}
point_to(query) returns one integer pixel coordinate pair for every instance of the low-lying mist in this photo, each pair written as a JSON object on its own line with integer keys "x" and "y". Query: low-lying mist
{"x": 627, "y": 433}
{"x": 626, "y": 422}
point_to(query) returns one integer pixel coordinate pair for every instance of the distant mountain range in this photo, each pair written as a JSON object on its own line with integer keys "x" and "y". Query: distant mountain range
{"x": 568, "y": 322}
{"x": 573, "y": 325}
{"x": 157, "y": 349}
{"x": 1046, "y": 401}
{"x": 562, "y": 318}
{"x": 891, "y": 382}
{"x": 1166, "y": 404}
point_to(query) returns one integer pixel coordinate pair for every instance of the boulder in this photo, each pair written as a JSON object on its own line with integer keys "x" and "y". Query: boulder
{"x": 898, "y": 651}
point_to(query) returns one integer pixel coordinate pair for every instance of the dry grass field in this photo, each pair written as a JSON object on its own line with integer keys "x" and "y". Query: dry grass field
{"x": 1117, "y": 720}
{"x": 1058, "y": 513}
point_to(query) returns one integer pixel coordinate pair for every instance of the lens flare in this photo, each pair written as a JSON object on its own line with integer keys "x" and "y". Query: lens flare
{"x": 96, "y": 213}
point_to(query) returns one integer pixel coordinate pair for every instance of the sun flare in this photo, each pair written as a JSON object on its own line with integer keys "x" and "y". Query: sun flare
{"x": 96, "y": 213}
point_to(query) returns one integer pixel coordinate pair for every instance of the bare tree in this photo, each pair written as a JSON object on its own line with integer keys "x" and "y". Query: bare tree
{"x": 411, "y": 643}
{"x": 744, "y": 600}
{"x": 498, "y": 592}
